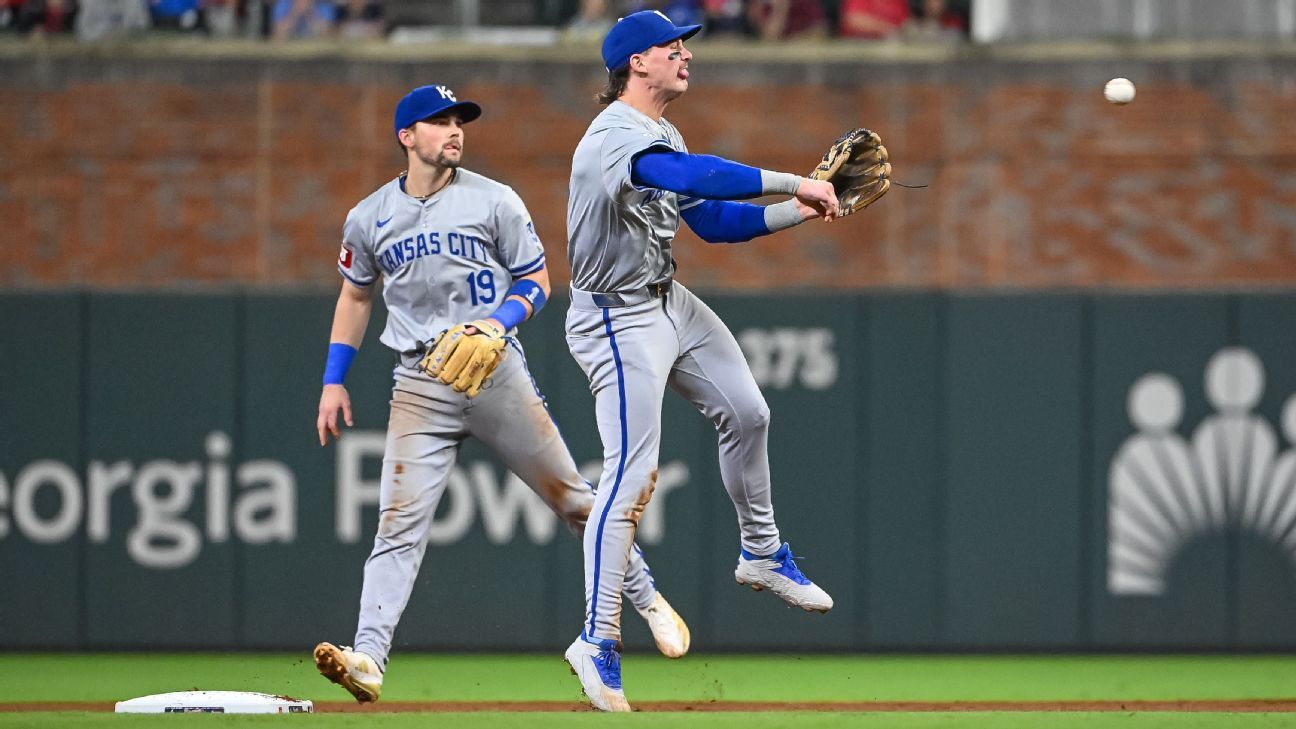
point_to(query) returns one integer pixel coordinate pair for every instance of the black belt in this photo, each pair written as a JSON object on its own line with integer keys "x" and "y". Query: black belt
{"x": 625, "y": 298}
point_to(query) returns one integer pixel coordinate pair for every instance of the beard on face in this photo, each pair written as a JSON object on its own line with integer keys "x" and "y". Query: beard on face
{"x": 441, "y": 159}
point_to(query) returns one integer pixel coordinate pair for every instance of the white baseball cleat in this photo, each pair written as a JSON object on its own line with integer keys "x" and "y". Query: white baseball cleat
{"x": 352, "y": 670}
{"x": 778, "y": 573}
{"x": 598, "y": 666}
{"x": 668, "y": 628}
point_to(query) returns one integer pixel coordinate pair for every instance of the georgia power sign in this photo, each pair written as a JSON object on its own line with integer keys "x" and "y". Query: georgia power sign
{"x": 255, "y": 501}
{"x": 1165, "y": 489}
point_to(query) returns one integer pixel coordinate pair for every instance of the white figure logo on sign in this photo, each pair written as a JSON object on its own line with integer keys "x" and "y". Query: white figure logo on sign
{"x": 1163, "y": 490}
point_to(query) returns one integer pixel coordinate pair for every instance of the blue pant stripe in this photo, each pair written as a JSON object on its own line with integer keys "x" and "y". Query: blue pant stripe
{"x": 616, "y": 484}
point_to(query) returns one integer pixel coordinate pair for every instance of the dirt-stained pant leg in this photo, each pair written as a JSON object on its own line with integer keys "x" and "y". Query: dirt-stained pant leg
{"x": 713, "y": 374}
{"x": 424, "y": 431}
{"x": 510, "y": 417}
{"x": 626, "y": 353}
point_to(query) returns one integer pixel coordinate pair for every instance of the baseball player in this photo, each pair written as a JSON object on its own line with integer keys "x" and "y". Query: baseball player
{"x": 457, "y": 254}
{"x": 634, "y": 330}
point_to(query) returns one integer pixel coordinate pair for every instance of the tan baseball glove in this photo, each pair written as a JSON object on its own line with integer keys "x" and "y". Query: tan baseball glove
{"x": 857, "y": 166}
{"x": 465, "y": 361}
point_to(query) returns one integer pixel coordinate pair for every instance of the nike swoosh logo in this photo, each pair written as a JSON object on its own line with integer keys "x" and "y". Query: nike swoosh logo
{"x": 381, "y": 223}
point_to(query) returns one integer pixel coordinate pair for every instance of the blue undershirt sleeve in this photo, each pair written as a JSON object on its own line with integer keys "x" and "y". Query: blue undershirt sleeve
{"x": 720, "y": 221}
{"x": 696, "y": 175}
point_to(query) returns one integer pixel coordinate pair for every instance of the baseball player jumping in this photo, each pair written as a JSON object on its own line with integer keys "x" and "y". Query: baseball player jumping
{"x": 459, "y": 258}
{"x": 634, "y": 330}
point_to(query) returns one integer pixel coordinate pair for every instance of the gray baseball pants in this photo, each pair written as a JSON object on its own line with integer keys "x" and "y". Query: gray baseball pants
{"x": 428, "y": 421}
{"x": 630, "y": 352}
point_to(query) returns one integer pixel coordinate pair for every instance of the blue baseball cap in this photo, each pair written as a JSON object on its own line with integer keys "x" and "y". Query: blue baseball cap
{"x": 426, "y": 101}
{"x": 637, "y": 32}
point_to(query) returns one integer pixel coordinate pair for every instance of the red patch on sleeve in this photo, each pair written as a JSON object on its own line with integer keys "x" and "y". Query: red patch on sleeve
{"x": 344, "y": 258}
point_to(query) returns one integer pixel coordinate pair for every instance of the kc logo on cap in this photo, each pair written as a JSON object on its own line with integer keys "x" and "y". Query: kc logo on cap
{"x": 637, "y": 32}
{"x": 428, "y": 101}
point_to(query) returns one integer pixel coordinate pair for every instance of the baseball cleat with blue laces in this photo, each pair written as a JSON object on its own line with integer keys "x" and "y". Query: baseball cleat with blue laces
{"x": 598, "y": 666}
{"x": 779, "y": 574}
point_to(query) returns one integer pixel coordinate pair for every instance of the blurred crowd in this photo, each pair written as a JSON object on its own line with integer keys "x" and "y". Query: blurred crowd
{"x": 774, "y": 20}
{"x": 770, "y": 20}
{"x": 277, "y": 19}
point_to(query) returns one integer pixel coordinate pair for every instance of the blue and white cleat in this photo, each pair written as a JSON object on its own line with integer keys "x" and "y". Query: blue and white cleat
{"x": 598, "y": 666}
{"x": 778, "y": 573}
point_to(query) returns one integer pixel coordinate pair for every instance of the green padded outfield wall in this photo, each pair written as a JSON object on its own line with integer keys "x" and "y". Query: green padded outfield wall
{"x": 986, "y": 472}
{"x": 1266, "y": 584}
{"x": 42, "y": 415}
{"x": 1175, "y": 335}
{"x": 1012, "y": 372}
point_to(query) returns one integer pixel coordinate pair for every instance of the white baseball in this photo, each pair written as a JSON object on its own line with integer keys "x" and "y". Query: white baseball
{"x": 1119, "y": 91}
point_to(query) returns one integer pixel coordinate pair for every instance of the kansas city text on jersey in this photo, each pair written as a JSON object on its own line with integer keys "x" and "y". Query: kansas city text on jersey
{"x": 411, "y": 248}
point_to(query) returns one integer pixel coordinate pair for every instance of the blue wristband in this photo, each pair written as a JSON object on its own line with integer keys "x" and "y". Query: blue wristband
{"x": 529, "y": 290}
{"x": 512, "y": 313}
{"x": 339, "y": 361}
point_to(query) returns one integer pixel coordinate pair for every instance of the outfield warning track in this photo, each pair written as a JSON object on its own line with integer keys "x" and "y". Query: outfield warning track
{"x": 440, "y": 707}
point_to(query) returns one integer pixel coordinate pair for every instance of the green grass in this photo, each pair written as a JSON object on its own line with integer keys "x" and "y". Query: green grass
{"x": 539, "y": 677}
{"x": 793, "y": 720}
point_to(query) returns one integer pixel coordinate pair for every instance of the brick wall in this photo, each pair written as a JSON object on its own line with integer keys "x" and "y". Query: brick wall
{"x": 179, "y": 171}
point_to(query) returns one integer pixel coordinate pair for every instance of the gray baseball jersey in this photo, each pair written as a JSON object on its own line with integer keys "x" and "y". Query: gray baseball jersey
{"x": 445, "y": 260}
{"x": 631, "y": 346}
{"x": 619, "y": 235}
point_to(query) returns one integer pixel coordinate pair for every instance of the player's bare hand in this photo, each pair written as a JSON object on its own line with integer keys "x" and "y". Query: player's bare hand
{"x": 332, "y": 399}
{"x": 809, "y": 212}
{"x": 818, "y": 195}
